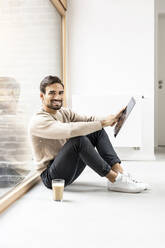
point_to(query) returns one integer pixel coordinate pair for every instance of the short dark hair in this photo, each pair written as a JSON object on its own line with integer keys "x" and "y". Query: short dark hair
{"x": 48, "y": 80}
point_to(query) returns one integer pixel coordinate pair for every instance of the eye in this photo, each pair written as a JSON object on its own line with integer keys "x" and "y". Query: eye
{"x": 51, "y": 93}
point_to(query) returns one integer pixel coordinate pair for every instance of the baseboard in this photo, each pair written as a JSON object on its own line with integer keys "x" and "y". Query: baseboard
{"x": 135, "y": 154}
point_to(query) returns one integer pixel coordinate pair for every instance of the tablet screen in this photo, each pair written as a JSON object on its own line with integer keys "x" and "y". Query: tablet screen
{"x": 124, "y": 116}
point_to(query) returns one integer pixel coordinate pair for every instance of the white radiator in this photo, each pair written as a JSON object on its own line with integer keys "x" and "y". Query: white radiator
{"x": 130, "y": 134}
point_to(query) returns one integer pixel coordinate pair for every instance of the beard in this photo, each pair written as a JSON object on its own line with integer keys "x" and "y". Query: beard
{"x": 55, "y": 105}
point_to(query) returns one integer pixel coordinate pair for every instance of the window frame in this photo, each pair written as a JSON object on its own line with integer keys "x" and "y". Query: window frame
{"x": 60, "y": 5}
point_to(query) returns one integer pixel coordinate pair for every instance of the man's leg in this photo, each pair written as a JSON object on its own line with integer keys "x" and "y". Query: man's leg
{"x": 69, "y": 171}
{"x": 72, "y": 159}
{"x": 67, "y": 165}
{"x": 101, "y": 141}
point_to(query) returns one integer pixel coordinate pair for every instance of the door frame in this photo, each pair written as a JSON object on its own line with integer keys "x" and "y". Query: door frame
{"x": 156, "y": 121}
{"x": 156, "y": 78}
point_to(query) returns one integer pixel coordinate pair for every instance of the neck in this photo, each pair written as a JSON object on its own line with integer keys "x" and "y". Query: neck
{"x": 51, "y": 111}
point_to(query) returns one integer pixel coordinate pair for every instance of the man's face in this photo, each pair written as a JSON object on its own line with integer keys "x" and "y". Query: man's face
{"x": 53, "y": 97}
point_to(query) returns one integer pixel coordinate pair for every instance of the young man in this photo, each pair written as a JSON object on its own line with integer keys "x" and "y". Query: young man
{"x": 64, "y": 142}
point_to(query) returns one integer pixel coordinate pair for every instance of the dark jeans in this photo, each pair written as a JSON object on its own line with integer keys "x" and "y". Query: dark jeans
{"x": 79, "y": 152}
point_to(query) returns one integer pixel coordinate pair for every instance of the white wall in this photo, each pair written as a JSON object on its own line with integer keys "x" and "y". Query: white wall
{"x": 111, "y": 49}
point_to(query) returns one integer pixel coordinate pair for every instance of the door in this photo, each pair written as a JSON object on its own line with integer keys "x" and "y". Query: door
{"x": 161, "y": 80}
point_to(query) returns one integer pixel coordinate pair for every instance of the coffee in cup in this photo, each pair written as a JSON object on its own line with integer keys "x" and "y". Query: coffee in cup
{"x": 58, "y": 189}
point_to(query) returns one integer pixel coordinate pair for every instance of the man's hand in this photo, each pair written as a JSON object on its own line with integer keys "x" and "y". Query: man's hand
{"x": 111, "y": 120}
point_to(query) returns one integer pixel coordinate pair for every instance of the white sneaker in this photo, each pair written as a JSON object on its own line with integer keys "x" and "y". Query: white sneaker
{"x": 145, "y": 185}
{"x": 124, "y": 183}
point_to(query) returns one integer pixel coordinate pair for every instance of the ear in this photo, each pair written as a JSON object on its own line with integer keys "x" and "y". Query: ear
{"x": 41, "y": 96}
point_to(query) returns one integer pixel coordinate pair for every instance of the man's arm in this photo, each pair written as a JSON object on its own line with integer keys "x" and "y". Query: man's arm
{"x": 46, "y": 127}
{"x": 75, "y": 117}
{"x": 43, "y": 125}
{"x": 110, "y": 120}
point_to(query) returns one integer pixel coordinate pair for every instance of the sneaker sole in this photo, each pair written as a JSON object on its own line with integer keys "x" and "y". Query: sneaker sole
{"x": 126, "y": 191}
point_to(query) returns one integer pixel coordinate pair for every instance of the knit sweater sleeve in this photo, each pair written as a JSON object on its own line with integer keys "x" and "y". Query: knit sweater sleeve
{"x": 45, "y": 126}
{"x": 75, "y": 117}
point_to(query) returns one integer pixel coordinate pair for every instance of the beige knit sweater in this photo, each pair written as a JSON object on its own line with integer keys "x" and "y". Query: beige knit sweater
{"x": 49, "y": 132}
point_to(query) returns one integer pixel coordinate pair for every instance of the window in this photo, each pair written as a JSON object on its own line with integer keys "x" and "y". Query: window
{"x": 32, "y": 47}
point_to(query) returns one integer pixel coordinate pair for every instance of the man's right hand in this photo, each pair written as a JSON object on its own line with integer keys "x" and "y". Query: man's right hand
{"x": 111, "y": 120}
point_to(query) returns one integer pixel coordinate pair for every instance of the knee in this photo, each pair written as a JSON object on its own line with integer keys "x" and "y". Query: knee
{"x": 78, "y": 139}
{"x": 78, "y": 143}
{"x": 101, "y": 132}
{"x": 98, "y": 133}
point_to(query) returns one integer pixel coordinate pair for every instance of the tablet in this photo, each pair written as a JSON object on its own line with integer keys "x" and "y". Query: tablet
{"x": 124, "y": 116}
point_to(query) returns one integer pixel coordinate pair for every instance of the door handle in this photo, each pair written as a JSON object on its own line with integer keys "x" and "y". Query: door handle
{"x": 160, "y": 84}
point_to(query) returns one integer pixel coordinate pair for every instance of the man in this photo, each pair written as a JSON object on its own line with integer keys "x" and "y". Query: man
{"x": 64, "y": 142}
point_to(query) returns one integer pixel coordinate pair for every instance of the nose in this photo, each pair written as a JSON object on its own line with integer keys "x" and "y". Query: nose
{"x": 58, "y": 98}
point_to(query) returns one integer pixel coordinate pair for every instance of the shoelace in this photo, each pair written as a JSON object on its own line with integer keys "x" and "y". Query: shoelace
{"x": 133, "y": 179}
{"x": 127, "y": 179}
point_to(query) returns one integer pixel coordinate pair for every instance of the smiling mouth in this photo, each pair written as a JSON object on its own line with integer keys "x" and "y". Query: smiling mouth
{"x": 56, "y": 102}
